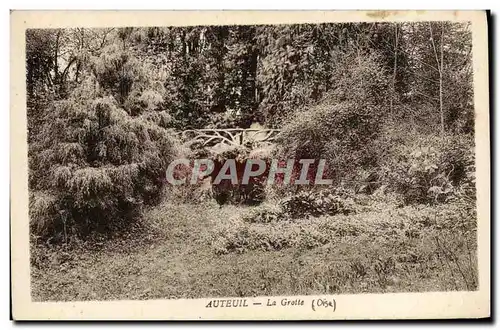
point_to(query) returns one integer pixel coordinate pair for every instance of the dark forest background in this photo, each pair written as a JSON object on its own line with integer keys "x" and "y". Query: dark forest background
{"x": 227, "y": 76}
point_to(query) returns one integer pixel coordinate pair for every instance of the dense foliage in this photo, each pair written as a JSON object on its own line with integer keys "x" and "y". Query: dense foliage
{"x": 389, "y": 106}
{"x": 101, "y": 152}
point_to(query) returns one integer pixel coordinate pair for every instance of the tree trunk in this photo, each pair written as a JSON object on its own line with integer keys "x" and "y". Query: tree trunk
{"x": 78, "y": 64}
{"x": 56, "y": 55}
{"x": 439, "y": 63}
{"x": 441, "y": 109}
{"x": 395, "y": 67}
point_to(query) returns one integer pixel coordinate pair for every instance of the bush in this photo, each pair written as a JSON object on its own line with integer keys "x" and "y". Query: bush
{"x": 227, "y": 192}
{"x": 342, "y": 127}
{"x": 433, "y": 170}
{"x": 96, "y": 160}
{"x": 264, "y": 214}
{"x": 316, "y": 203}
{"x": 43, "y": 213}
{"x": 98, "y": 163}
{"x": 302, "y": 205}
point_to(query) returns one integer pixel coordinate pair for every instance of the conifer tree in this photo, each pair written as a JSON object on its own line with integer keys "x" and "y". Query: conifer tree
{"x": 102, "y": 152}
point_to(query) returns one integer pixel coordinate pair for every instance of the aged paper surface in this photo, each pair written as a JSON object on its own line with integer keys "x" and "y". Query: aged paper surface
{"x": 404, "y": 305}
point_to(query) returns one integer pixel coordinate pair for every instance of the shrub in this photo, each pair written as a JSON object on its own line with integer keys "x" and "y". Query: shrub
{"x": 316, "y": 203}
{"x": 340, "y": 133}
{"x": 43, "y": 210}
{"x": 265, "y": 213}
{"x": 227, "y": 192}
{"x": 98, "y": 163}
{"x": 301, "y": 205}
{"x": 433, "y": 170}
{"x": 343, "y": 125}
{"x": 96, "y": 160}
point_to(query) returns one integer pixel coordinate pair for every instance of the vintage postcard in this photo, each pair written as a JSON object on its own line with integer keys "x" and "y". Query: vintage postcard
{"x": 249, "y": 165}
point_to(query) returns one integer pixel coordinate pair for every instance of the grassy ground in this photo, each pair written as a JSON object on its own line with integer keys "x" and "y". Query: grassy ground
{"x": 192, "y": 251}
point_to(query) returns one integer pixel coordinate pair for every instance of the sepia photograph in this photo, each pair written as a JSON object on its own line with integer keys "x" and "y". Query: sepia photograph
{"x": 250, "y": 164}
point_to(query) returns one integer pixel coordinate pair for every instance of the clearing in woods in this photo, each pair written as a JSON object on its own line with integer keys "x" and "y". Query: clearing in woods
{"x": 179, "y": 256}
